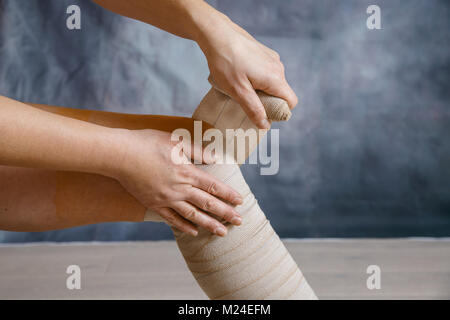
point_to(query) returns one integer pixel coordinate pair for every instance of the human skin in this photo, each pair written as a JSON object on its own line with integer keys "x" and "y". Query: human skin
{"x": 238, "y": 63}
{"x": 114, "y": 159}
{"x": 251, "y": 263}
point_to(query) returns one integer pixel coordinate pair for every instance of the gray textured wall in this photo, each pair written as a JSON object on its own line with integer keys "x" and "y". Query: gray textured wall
{"x": 367, "y": 152}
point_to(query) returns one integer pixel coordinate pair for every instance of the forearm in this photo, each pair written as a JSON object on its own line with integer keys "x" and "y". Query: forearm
{"x": 33, "y": 138}
{"x": 39, "y": 200}
{"x": 190, "y": 19}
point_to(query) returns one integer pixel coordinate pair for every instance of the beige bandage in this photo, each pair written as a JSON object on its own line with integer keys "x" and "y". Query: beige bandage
{"x": 251, "y": 262}
{"x": 223, "y": 113}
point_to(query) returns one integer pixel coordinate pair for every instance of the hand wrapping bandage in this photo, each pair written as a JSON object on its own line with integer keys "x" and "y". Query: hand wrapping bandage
{"x": 251, "y": 262}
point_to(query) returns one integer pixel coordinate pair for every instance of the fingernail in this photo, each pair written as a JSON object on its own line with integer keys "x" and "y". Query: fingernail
{"x": 220, "y": 231}
{"x": 236, "y": 221}
{"x": 264, "y": 124}
{"x": 193, "y": 233}
{"x": 238, "y": 200}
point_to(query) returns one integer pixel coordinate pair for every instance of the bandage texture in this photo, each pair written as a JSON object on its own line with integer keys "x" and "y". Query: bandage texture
{"x": 251, "y": 262}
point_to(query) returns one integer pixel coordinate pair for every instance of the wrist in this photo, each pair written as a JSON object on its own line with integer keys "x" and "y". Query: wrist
{"x": 207, "y": 23}
{"x": 112, "y": 152}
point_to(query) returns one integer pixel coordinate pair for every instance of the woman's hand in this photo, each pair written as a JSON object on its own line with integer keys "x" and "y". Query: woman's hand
{"x": 239, "y": 64}
{"x": 181, "y": 193}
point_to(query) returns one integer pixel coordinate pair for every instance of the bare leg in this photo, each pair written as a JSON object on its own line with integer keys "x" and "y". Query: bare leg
{"x": 39, "y": 200}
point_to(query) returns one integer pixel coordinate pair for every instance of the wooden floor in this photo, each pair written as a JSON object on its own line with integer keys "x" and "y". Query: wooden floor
{"x": 336, "y": 269}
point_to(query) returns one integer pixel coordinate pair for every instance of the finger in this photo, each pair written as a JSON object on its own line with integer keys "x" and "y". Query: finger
{"x": 206, "y": 202}
{"x": 207, "y": 182}
{"x": 198, "y": 154}
{"x": 246, "y": 96}
{"x": 175, "y": 220}
{"x": 281, "y": 89}
{"x": 200, "y": 218}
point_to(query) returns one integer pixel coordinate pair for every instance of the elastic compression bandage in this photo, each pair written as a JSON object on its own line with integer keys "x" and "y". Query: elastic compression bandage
{"x": 251, "y": 262}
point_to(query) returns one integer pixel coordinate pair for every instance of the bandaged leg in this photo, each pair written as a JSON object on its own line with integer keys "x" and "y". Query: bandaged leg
{"x": 251, "y": 262}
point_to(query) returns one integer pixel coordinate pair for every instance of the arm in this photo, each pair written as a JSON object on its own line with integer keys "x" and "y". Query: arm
{"x": 37, "y": 200}
{"x": 40, "y": 200}
{"x": 33, "y": 138}
{"x": 184, "y": 18}
{"x": 238, "y": 63}
{"x": 137, "y": 159}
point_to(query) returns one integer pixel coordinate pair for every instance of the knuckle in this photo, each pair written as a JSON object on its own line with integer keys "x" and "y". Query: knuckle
{"x": 294, "y": 100}
{"x": 161, "y": 196}
{"x": 191, "y": 214}
{"x": 278, "y": 69}
{"x": 212, "y": 189}
{"x": 240, "y": 90}
{"x": 212, "y": 226}
{"x": 208, "y": 205}
{"x": 227, "y": 194}
{"x": 278, "y": 75}
{"x": 185, "y": 172}
{"x": 275, "y": 54}
{"x": 188, "y": 191}
{"x": 230, "y": 196}
{"x": 170, "y": 217}
{"x": 228, "y": 215}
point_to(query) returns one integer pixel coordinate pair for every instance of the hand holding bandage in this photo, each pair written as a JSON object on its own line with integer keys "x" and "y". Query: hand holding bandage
{"x": 251, "y": 262}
